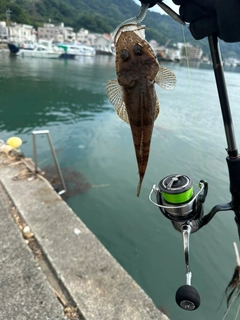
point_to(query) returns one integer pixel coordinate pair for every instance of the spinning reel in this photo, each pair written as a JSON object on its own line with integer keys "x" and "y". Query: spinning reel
{"x": 178, "y": 203}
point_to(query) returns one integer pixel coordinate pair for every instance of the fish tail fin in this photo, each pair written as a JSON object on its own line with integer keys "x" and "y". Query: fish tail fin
{"x": 139, "y": 187}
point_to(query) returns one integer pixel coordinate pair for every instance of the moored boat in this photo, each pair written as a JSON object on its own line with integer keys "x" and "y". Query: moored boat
{"x": 16, "y": 47}
{"x": 77, "y": 49}
{"x": 105, "y": 52}
{"x": 42, "y": 49}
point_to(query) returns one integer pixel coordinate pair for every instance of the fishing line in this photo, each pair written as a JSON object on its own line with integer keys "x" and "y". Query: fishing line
{"x": 193, "y": 103}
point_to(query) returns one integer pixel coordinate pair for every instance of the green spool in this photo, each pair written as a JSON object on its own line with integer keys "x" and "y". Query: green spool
{"x": 178, "y": 198}
{"x": 176, "y": 189}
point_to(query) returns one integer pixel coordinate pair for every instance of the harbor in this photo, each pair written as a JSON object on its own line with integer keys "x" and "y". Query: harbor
{"x": 60, "y": 41}
{"x": 52, "y": 41}
{"x": 68, "y": 98}
{"x": 93, "y": 236}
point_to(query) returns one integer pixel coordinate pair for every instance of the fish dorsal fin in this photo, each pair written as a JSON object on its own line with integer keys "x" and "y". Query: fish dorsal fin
{"x": 157, "y": 108}
{"x": 165, "y": 78}
{"x": 115, "y": 96}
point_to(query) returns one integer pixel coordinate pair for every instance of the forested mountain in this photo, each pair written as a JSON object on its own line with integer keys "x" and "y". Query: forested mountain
{"x": 102, "y": 16}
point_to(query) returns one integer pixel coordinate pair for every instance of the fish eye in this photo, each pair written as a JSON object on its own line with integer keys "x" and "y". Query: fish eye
{"x": 138, "y": 49}
{"x": 124, "y": 55}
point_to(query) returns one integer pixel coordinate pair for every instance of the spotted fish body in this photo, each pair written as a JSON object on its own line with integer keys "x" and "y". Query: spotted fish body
{"x": 133, "y": 93}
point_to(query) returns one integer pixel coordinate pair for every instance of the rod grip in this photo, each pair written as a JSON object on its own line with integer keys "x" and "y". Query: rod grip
{"x": 234, "y": 176}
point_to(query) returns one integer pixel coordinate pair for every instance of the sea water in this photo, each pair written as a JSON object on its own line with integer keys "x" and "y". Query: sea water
{"x": 68, "y": 98}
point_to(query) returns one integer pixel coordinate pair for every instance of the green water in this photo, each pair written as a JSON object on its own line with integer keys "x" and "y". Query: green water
{"x": 68, "y": 98}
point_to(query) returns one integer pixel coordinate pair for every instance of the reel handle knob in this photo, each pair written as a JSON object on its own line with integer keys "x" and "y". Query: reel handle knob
{"x": 187, "y": 297}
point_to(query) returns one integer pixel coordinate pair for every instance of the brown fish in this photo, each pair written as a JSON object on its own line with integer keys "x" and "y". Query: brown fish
{"x": 133, "y": 94}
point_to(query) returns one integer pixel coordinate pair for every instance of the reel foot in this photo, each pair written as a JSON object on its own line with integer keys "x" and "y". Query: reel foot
{"x": 187, "y": 298}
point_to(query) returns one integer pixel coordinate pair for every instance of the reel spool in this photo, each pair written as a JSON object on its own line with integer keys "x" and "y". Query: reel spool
{"x": 176, "y": 199}
{"x": 178, "y": 202}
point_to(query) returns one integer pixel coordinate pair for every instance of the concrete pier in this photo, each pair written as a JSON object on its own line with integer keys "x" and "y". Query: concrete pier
{"x": 52, "y": 266}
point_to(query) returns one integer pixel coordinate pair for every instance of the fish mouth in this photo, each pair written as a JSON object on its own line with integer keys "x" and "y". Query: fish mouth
{"x": 135, "y": 21}
{"x": 139, "y": 30}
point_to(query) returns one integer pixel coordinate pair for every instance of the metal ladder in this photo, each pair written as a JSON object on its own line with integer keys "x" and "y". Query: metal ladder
{"x": 34, "y": 133}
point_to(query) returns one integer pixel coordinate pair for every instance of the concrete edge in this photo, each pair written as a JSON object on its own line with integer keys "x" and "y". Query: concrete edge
{"x": 94, "y": 280}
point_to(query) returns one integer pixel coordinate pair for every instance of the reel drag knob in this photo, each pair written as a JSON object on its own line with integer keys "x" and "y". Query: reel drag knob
{"x": 187, "y": 298}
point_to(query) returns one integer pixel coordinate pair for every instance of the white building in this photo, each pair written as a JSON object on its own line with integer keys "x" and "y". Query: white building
{"x": 86, "y": 38}
{"x": 3, "y": 31}
{"x": 191, "y": 53}
{"x": 65, "y": 34}
{"x": 21, "y": 33}
{"x": 82, "y": 36}
{"x": 102, "y": 42}
{"x": 68, "y": 33}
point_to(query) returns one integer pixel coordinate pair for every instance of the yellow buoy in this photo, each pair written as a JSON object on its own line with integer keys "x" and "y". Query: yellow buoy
{"x": 14, "y": 142}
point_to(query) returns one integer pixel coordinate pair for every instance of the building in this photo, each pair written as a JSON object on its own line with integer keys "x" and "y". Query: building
{"x": 68, "y": 33}
{"x": 21, "y": 33}
{"x": 102, "y": 43}
{"x": 3, "y": 31}
{"x": 17, "y": 32}
{"x": 99, "y": 41}
{"x": 49, "y": 31}
{"x": 82, "y": 36}
{"x": 57, "y": 33}
{"x": 191, "y": 53}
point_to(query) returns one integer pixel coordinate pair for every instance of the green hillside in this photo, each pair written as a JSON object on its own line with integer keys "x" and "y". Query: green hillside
{"x": 102, "y": 16}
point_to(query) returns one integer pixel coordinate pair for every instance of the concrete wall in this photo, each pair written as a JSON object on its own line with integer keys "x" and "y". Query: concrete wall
{"x": 99, "y": 286}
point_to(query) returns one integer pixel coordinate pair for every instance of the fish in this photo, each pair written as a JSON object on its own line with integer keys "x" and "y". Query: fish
{"x": 133, "y": 94}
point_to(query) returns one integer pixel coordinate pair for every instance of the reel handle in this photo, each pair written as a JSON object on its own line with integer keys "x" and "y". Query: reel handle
{"x": 187, "y": 297}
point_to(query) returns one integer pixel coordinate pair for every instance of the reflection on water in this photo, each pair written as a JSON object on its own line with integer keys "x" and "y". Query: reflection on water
{"x": 39, "y": 94}
{"x": 68, "y": 98}
{"x": 44, "y": 104}
{"x": 191, "y": 64}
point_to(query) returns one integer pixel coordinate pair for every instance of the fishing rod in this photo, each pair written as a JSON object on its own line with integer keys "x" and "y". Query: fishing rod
{"x": 177, "y": 200}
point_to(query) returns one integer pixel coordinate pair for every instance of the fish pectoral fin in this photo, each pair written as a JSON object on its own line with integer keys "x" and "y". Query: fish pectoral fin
{"x": 157, "y": 108}
{"x": 115, "y": 96}
{"x": 165, "y": 78}
{"x": 122, "y": 113}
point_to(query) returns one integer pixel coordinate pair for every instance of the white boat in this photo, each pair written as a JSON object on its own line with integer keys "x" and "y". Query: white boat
{"x": 42, "y": 49}
{"x": 77, "y": 49}
{"x": 15, "y": 47}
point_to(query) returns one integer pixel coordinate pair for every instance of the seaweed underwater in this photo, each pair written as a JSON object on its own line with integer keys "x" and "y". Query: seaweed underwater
{"x": 75, "y": 181}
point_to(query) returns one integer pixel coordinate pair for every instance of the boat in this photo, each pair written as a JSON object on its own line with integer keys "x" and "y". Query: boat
{"x": 16, "y": 47}
{"x": 106, "y": 52}
{"x": 42, "y": 49}
{"x": 77, "y": 49}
